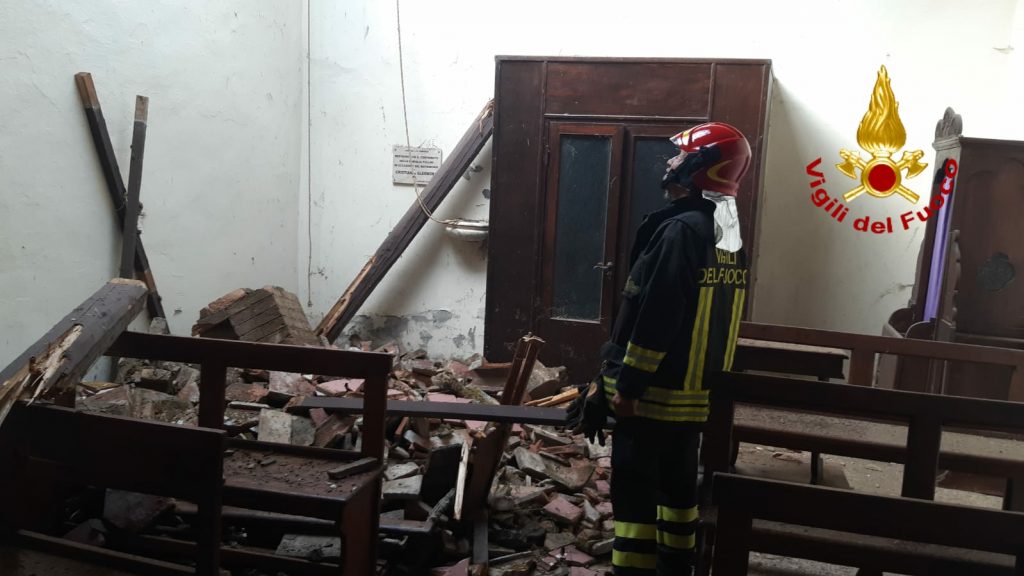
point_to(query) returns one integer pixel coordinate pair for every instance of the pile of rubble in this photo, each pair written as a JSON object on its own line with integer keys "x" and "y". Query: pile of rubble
{"x": 549, "y": 508}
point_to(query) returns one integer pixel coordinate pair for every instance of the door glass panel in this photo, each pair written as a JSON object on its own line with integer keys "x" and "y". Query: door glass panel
{"x": 583, "y": 178}
{"x": 649, "y": 158}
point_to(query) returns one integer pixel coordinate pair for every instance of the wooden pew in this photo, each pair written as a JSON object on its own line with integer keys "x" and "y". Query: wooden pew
{"x": 47, "y": 451}
{"x": 864, "y": 351}
{"x": 353, "y": 504}
{"x": 750, "y": 509}
{"x": 924, "y": 415}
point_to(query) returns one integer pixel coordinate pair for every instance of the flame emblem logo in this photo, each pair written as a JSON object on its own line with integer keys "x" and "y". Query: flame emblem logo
{"x": 881, "y": 134}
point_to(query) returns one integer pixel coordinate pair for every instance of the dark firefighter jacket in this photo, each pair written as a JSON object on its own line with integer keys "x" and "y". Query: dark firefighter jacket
{"x": 679, "y": 316}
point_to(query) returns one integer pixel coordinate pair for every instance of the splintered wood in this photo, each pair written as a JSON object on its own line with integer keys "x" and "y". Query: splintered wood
{"x": 489, "y": 447}
{"x": 269, "y": 314}
{"x": 57, "y": 361}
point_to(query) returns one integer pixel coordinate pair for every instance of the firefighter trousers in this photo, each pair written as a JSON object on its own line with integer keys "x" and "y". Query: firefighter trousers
{"x": 654, "y": 497}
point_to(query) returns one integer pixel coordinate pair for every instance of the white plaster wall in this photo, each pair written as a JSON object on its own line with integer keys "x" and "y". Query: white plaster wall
{"x": 825, "y": 53}
{"x": 221, "y": 172}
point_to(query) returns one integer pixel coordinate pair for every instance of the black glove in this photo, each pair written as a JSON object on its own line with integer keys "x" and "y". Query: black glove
{"x": 589, "y": 412}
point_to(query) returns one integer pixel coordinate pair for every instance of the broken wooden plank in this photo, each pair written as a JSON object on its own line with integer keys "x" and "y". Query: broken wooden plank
{"x": 556, "y": 399}
{"x": 353, "y": 468}
{"x": 444, "y": 410}
{"x": 403, "y": 233}
{"x": 130, "y": 226}
{"x": 58, "y": 360}
{"x": 487, "y": 457}
{"x": 115, "y": 186}
{"x": 460, "y": 481}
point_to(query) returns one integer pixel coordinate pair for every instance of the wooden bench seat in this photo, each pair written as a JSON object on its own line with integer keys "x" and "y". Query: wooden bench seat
{"x": 820, "y": 362}
{"x": 874, "y": 440}
{"x": 296, "y": 482}
{"x": 848, "y": 420}
{"x": 860, "y": 550}
{"x": 872, "y": 532}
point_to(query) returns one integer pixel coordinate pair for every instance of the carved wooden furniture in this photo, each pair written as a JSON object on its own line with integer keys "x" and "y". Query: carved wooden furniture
{"x": 966, "y": 288}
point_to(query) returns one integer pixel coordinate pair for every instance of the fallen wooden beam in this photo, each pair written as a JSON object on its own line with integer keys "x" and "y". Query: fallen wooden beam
{"x": 57, "y": 361}
{"x": 444, "y": 410}
{"x": 403, "y": 233}
{"x": 115, "y": 186}
{"x": 130, "y": 229}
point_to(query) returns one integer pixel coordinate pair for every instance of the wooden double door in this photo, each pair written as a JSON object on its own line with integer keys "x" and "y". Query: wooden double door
{"x": 580, "y": 149}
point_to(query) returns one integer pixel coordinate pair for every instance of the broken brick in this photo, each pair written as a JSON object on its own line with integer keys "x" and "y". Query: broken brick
{"x": 403, "y": 489}
{"x": 318, "y": 416}
{"x": 270, "y": 314}
{"x": 156, "y": 379}
{"x": 241, "y": 392}
{"x": 340, "y": 387}
{"x": 421, "y": 366}
{"x": 399, "y": 471}
{"x": 558, "y": 540}
{"x": 284, "y": 428}
{"x": 190, "y": 392}
{"x": 186, "y": 375}
{"x": 333, "y": 431}
{"x": 133, "y": 512}
{"x": 563, "y": 511}
{"x": 545, "y": 381}
{"x": 576, "y": 557}
{"x": 284, "y": 386}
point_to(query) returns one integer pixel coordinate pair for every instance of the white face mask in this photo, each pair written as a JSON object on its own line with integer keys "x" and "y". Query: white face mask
{"x": 727, "y": 222}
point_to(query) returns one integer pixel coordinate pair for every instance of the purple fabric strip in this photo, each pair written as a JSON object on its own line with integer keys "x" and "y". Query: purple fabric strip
{"x": 931, "y": 303}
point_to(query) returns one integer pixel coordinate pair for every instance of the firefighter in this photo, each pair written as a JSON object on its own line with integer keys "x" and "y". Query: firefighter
{"x": 677, "y": 322}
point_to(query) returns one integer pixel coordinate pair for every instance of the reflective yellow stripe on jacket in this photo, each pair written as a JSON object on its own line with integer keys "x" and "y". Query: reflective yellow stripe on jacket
{"x": 642, "y": 358}
{"x": 666, "y": 404}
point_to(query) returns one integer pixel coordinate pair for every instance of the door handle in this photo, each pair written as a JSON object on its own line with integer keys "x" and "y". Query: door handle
{"x": 604, "y": 266}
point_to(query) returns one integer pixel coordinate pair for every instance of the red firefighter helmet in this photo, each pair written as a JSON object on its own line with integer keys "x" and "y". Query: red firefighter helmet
{"x": 717, "y": 157}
